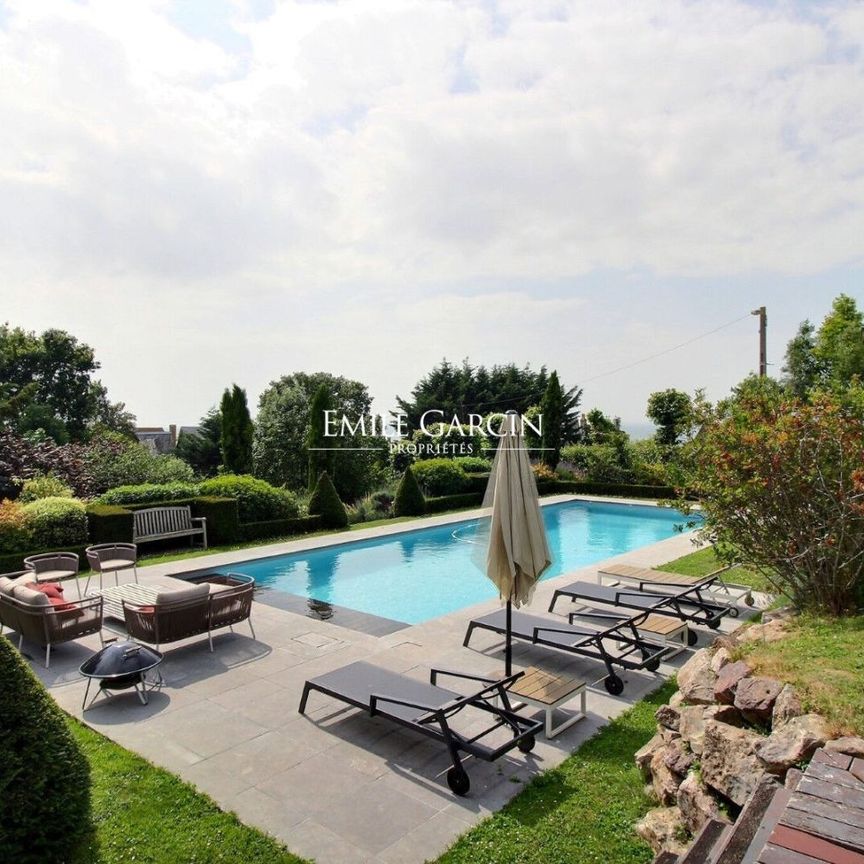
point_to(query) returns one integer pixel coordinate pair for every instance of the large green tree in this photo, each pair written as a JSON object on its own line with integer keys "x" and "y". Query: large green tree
{"x": 671, "y": 411}
{"x": 47, "y": 383}
{"x": 830, "y": 357}
{"x": 280, "y": 451}
{"x": 237, "y": 431}
{"x": 203, "y": 449}
{"x": 553, "y": 411}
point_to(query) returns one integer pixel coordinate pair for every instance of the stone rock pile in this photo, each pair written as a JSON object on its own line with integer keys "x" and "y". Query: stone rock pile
{"x": 720, "y": 733}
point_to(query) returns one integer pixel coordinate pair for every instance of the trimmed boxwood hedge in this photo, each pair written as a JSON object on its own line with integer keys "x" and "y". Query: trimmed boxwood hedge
{"x": 625, "y": 490}
{"x": 109, "y": 523}
{"x": 279, "y": 527}
{"x": 453, "y": 502}
{"x": 44, "y": 776}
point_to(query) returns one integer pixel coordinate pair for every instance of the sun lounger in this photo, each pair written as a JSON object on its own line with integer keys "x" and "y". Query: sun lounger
{"x": 430, "y": 709}
{"x": 686, "y": 604}
{"x": 616, "y": 642}
{"x": 712, "y": 584}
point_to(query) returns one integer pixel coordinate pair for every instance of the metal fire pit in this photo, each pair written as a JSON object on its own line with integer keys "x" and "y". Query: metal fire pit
{"x": 121, "y": 666}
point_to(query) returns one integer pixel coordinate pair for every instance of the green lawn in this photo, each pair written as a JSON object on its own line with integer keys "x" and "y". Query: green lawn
{"x": 582, "y": 811}
{"x": 701, "y": 563}
{"x": 146, "y": 815}
{"x": 824, "y": 659}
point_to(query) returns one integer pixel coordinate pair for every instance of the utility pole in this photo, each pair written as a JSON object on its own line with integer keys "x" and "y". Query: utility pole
{"x": 763, "y": 340}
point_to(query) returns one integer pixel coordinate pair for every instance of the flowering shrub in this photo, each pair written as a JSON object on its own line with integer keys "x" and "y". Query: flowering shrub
{"x": 15, "y": 532}
{"x": 781, "y": 481}
{"x": 543, "y": 472}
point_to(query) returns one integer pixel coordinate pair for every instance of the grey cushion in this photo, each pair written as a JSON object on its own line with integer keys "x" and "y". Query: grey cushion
{"x": 28, "y": 595}
{"x": 182, "y": 594}
{"x": 8, "y": 583}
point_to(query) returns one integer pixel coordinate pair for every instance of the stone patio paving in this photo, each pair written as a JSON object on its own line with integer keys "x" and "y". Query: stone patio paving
{"x": 334, "y": 785}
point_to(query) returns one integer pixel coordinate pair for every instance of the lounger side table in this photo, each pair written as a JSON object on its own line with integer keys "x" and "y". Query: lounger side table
{"x": 547, "y": 691}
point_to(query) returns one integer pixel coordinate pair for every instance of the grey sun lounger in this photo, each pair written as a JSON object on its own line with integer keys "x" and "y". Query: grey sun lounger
{"x": 712, "y": 584}
{"x": 616, "y": 642}
{"x": 686, "y": 604}
{"x": 428, "y": 709}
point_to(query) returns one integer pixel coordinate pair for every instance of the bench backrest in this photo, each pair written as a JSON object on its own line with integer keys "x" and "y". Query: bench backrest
{"x": 162, "y": 520}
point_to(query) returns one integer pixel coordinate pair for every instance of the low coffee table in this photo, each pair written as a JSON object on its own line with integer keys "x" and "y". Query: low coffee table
{"x": 547, "y": 691}
{"x": 121, "y": 666}
{"x": 131, "y": 592}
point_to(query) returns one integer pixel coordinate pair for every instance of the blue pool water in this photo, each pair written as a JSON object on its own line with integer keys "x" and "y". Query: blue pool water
{"x": 418, "y": 575}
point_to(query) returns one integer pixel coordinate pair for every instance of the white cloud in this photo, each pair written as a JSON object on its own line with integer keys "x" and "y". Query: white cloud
{"x": 407, "y": 149}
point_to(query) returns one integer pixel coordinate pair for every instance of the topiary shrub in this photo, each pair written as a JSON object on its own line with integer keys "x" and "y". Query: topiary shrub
{"x": 44, "y": 777}
{"x": 409, "y": 499}
{"x": 257, "y": 500}
{"x": 15, "y": 531}
{"x": 325, "y": 502}
{"x": 57, "y": 522}
{"x": 440, "y": 476}
{"x": 141, "y": 493}
{"x": 46, "y": 486}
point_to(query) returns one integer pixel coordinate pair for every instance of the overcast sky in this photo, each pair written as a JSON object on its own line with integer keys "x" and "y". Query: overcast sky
{"x": 209, "y": 191}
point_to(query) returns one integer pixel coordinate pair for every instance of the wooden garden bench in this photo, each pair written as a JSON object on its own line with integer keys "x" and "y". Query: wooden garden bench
{"x": 164, "y": 523}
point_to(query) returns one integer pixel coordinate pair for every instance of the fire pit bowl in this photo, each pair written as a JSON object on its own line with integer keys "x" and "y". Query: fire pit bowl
{"x": 121, "y": 666}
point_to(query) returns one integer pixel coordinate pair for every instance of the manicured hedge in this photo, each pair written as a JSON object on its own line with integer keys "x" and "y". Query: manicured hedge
{"x": 258, "y": 500}
{"x": 578, "y": 487}
{"x": 453, "y": 502}
{"x": 109, "y": 523}
{"x": 279, "y": 528}
{"x": 14, "y": 561}
{"x": 477, "y": 483}
{"x": 141, "y": 492}
{"x": 44, "y": 776}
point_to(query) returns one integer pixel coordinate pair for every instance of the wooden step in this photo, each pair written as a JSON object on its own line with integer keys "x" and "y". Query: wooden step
{"x": 706, "y": 843}
{"x": 757, "y": 820}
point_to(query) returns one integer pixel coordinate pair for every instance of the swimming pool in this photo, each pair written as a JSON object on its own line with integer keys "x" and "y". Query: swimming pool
{"x": 417, "y": 575}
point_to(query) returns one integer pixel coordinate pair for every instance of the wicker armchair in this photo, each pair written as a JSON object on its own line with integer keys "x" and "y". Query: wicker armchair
{"x": 36, "y": 620}
{"x": 221, "y": 601}
{"x": 112, "y": 558}
{"x": 54, "y": 567}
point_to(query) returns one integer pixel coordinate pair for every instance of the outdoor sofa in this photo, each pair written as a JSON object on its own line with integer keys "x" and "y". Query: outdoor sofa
{"x": 191, "y": 609}
{"x": 45, "y": 616}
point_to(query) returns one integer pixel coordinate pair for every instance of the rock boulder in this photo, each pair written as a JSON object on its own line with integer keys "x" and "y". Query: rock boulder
{"x": 668, "y": 717}
{"x": 696, "y": 679}
{"x": 661, "y": 828}
{"x": 755, "y": 697}
{"x": 727, "y": 681}
{"x": 697, "y": 804}
{"x": 786, "y": 707}
{"x": 849, "y": 745}
{"x": 793, "y": 742}
{"x": 729, "y": 762}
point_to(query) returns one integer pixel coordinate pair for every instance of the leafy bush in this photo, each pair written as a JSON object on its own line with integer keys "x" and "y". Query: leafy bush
{"x": 474, "y": 464}
{"x": 257, "y": 500}
{"x": 57, "y": 522}
{"x": 112, "y": 461}
{"x": 440, "y": 476}
{"x": 149, "y": 493}
{"x": 44, "y": 486}
{"x": 409, "y": 497}
{"x": 599, "y": 463}
{"x": 44, "y": 776}
{"x": 325, "y": 502}
{"x": 781, "y": 481}
{"x": 378, "y": 505}
{"x": 15, "y": 531}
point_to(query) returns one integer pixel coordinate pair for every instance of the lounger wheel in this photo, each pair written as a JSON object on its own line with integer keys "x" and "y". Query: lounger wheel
{"x": 458, "y": 781}
{"x": 733, "y": 612}
{"x": 713, "y": 625}
{"x": 614, "y": 685}
{"x": 749, "y": 600}
{"x": 692, "y": 638}
{"x": 653, "y": 664}
{"x": 526, "y": 745}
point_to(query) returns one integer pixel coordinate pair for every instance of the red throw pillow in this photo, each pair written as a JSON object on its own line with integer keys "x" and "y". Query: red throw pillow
{"x": 49, "y": 589}
{"x": 146, "y": 610}
{"x": 60, "y": 604}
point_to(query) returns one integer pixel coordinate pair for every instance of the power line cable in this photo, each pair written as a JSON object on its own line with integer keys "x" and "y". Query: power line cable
{"x": 665, "y": 350}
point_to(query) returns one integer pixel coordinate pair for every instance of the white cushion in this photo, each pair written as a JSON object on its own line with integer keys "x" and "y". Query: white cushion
{"x": 7, "y": 583}
{"x": 182, "y": 594}
{"x": 115, "y": 564}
